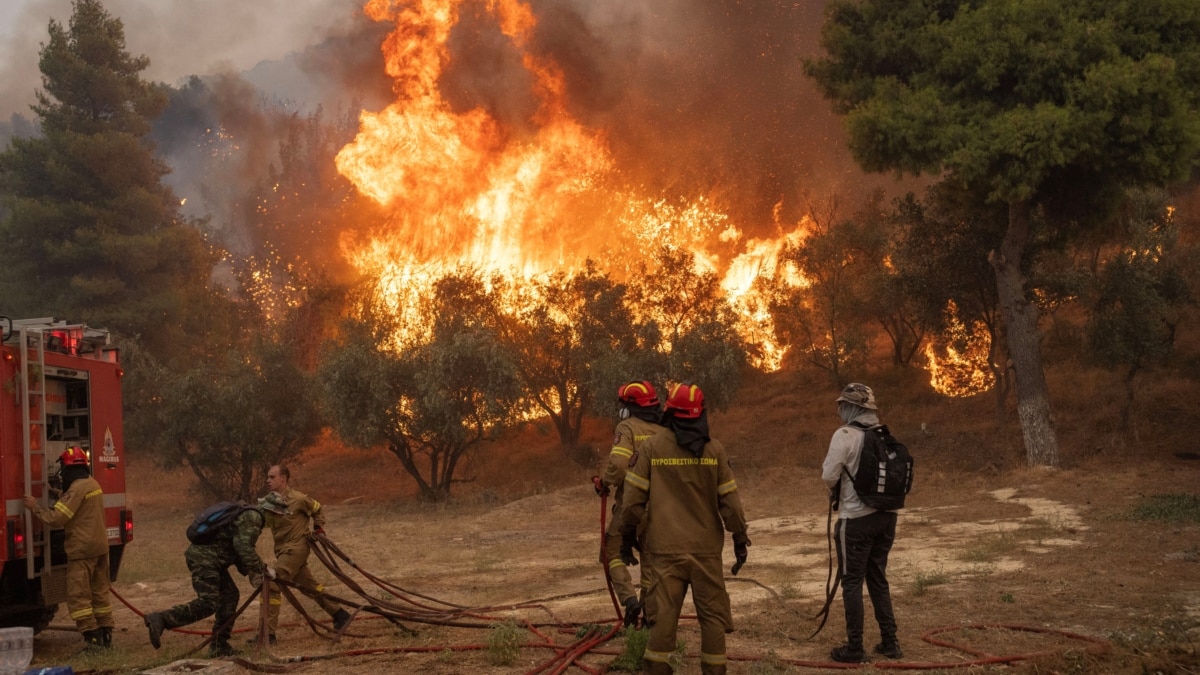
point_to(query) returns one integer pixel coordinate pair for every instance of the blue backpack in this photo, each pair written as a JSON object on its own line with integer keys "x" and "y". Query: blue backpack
{"x": 212, "y": 520}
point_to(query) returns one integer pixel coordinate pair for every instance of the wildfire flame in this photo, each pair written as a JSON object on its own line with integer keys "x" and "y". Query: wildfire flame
{"x": 462, "y": 190}
{"x": 962, "y": 369}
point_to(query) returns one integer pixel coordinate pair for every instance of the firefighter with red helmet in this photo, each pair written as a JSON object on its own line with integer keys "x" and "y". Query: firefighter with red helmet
{"x": 681, "y": 482}
{"x": 80, "y": 512}
{"x": 639, "y": 410}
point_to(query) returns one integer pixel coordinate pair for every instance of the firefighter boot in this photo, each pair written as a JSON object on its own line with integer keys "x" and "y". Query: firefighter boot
{"x": 93, "y": 639}
{"x": 156, "y": 625}
{"x": 106, "y": 632}
{"x": 341, "y": 619}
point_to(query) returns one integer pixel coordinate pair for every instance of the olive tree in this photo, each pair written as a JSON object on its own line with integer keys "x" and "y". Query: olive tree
{"x": 430, "y": 404}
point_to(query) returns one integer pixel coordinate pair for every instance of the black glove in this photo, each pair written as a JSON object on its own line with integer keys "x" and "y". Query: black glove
{"x": 628, "y": 543}
{"x": 740, "y": 544}
{"x": 600, "y": 487}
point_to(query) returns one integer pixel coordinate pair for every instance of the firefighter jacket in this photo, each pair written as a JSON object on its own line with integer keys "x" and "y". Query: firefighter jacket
{"x": 686, "y": 499}
{"x": 79, "y": 511}
{"x": 291, "y": 529}
{"x": 630, "y": 435}
{"x": 235, "y": 544}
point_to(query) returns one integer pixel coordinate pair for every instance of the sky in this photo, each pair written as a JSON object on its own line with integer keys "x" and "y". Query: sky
{"x": 181, "y": 37}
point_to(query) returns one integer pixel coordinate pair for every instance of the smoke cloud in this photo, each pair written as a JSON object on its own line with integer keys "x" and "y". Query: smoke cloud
{"x": 694, "y": 97}
{"x": 181, "y": 37}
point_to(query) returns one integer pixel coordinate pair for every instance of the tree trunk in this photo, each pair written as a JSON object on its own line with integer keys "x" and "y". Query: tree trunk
{"x": 1024, "y": 340}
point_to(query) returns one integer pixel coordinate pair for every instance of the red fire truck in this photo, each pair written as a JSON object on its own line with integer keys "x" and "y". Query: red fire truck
{"x": 60, "y": 386}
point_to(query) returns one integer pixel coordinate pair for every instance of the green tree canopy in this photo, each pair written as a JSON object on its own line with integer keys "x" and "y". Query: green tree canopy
{"x": 1140, "y": 292}
{"x": 429, "y": 404}
{"x": 234, "y": 415}
{"x": 91, "y": 233}
{"x": 1026, "y": 102}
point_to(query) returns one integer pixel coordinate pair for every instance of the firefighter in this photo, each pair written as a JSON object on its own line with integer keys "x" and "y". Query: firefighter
{"x": 639, "y": 410}
{"x": 682, "y": 483}
{"x": 289, "y": 514}
{"x": 80, "y": 512}
{"x": 216, "y": 592}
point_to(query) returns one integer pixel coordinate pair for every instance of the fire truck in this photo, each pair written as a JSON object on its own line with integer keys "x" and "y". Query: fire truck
{"x": 60, "y": 386}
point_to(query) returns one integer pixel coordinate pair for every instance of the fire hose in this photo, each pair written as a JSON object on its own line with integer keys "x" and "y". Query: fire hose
{"x": 409, "y": 606}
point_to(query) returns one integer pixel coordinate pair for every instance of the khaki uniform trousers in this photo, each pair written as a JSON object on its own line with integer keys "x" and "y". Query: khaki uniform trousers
{"x": 292, "y": 566}
{"x": 87, "y": 593}
{"x": 673, "y": 574}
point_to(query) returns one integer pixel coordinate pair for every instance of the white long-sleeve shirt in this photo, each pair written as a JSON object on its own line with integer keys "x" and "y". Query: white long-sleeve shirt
{"x": 845, "y": 449}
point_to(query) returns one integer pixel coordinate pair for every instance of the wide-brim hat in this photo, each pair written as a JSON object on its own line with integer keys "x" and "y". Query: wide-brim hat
{"x": 859, "y": 395}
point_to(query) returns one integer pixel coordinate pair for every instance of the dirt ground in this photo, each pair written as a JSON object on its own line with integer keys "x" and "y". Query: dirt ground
{"x": 1052, "y": 554}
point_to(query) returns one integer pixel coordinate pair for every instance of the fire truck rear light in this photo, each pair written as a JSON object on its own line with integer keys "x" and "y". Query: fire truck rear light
{"x": 126, "y": 525}
{"x": 16, "y": 539}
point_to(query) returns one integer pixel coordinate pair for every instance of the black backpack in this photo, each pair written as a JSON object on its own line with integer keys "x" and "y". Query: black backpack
{"x": 885, "y": 469}
{"x": 210, "y": 521}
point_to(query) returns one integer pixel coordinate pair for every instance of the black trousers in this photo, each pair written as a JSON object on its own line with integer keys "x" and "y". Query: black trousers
{"x": 863, "y": 545}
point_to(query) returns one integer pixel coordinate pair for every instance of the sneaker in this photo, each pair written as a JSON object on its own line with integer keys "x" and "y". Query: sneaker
{"x": 341, "y": 619}
{"x": 848, "y": 654}
{"x": 154, "y": 622}
{"x": 254, "y": 640}
{"x": 889, "y": 649}
{"x": 633, "y": 608}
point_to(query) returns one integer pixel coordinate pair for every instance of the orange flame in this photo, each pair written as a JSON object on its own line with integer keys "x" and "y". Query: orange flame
{"x": 962, "y": 370}
{"x": 464, "y": 191}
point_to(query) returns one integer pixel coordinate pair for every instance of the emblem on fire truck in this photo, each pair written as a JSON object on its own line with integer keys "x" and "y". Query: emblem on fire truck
{"x": 109, "y": 452}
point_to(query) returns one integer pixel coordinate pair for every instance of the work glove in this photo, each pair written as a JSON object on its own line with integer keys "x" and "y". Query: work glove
{"x": 740, "y": 543}
{"x": 633, "y": 609}
{"x": 601, "y": 488}
{"x": 270, "y": 572}
{"x": 628, "y": 543}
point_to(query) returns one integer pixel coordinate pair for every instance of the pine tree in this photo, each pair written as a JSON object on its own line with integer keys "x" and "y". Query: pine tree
{"x": 91, "y": 233}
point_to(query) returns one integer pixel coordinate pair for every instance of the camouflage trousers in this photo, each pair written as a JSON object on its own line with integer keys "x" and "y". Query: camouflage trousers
{"x": 87, "y": 593}
{"x": 292, "y": 566}
{"x": 216, "y": 593}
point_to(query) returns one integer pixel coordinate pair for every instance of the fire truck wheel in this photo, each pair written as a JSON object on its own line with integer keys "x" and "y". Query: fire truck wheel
{"x": 39, "y": 619}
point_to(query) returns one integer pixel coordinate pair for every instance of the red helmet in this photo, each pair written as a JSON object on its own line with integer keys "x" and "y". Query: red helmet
{"x": 638, "y": 393}
{"x": 685, "y": 401}
{"x": 73, "y": 456}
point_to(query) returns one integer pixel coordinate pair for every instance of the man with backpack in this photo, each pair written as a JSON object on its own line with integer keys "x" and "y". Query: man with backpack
{"x": 864, "y": 534}
{"x": 223, "y": 536}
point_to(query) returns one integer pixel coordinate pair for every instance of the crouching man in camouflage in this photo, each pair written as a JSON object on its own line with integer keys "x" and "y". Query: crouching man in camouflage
{"x": 216, "y": 592}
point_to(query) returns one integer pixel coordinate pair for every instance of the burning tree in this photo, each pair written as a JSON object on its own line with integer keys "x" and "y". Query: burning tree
{"x": 1140, "y": 291}
{"x": 1021, "y": 101}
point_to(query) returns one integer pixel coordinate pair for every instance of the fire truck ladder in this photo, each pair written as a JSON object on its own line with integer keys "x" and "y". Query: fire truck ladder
{"x": 33, "y": 426}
